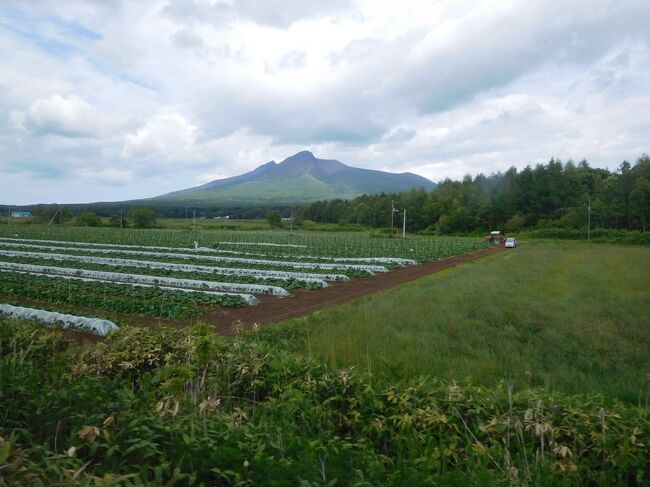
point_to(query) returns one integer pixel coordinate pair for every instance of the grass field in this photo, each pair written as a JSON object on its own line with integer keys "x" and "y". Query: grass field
{"x": 566, "y": 316}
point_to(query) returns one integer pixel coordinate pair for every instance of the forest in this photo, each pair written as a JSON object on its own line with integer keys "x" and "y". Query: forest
{"x": 552, "y": 195}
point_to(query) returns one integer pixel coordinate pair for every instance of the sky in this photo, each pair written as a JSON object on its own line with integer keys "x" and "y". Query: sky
{"x": 111, "y": 100}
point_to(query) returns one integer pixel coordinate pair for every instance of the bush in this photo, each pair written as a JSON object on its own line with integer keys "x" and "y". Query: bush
{"x": 631, "y": 237}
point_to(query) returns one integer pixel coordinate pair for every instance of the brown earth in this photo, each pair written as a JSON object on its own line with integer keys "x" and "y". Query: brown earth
{"x": 273, "y": 309}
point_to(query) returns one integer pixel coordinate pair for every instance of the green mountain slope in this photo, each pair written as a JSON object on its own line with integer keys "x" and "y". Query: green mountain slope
{"x": 293, "y": 190}
{"x": 300, "y": 178}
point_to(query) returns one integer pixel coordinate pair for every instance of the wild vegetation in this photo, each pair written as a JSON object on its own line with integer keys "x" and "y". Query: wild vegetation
{"x": 185, "y": 407}
{"x": 569, "y": 317}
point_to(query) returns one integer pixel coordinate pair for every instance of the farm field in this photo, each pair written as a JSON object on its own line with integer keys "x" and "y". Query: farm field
{"x": 570, "y": 317}
{"x": 527, "y": 367}
{"x": 178, "y": 275}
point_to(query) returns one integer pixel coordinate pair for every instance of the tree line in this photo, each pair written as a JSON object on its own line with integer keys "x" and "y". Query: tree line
{"x": 143, "y": 217}
{"x": 555, "y": 194}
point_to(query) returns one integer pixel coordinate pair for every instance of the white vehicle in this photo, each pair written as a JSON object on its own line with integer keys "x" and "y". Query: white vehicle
{"x": 511, "y": 243}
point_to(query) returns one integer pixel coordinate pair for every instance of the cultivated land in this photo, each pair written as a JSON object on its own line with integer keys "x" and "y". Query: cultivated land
{"x": 525, "y": 367}
{"x": 179, "y": 275}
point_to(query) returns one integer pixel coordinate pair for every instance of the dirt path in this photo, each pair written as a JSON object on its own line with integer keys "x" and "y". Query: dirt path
{"x": 273, "y": 309}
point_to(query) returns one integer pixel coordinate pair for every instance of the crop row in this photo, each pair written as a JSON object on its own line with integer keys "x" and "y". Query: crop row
{"x": 197, "y": 285}
{"x": 236, "y": 260}
{"x": 226, "y": 271}
{"x": 389, "y": 261}
{"x": 181, "y": 271}
{"x": 97, "y": 326}
{"x": 195, "y": 260}
{"x": 419, "y": 248}
{"x": 110, "y": 296}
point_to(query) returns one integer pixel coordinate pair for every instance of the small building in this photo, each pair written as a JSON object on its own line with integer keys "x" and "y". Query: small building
{"x": 21, "y": 214}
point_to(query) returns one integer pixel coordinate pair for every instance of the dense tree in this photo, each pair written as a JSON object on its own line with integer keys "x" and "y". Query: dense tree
{"x": 143, "y": 217}
{"x": 89, "y": 219}
{"x": 274, "y": 218}
{"x": 640, "y": 199}
{"x": 555, "y": 194}
{"x": 118, "y": 221}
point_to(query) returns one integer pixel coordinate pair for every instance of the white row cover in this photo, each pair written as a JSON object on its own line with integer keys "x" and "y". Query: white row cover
{"x": 264, "y": 244}
{"x": 247, "y": 298}
{"x": 296, "y": 265}
{"x": 318, "y": 279}
{"x": 87, "y": 244}
{"x": 143, "y": 279}
{"x": 381, "y": 260}
{"x": 82, "y": 323}
{"x": 384, "y": 260}
{"x": 148, "y": 246}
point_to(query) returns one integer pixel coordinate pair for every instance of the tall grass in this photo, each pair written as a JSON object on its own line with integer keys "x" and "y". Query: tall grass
{"x": 186, "y": 407}
{"x": 570, "y": 317}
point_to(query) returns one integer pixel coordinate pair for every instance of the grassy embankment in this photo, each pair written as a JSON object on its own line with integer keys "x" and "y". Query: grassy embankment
{"x": 569, "y": 317}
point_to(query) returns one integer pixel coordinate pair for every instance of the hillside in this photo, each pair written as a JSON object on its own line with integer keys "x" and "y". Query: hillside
{"x": 300, "y": 178}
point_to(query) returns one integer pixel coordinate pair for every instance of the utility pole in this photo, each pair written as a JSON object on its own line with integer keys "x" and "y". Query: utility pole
{"x": 393, "y": 210}
{"x": 194, "y": 220}
{"x": 291, "y": 223}
{"x": 57, "y": 212}
{"x": 121, "y": 219}
{"x": 404, "y": 225}
{"x": 589, "y": 219}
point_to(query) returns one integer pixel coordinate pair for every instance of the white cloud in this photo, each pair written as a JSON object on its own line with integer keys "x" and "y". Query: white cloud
{"x": 66, "y": 116}
{"x": 110, "y": 100}
{"x": 163, "y": 136}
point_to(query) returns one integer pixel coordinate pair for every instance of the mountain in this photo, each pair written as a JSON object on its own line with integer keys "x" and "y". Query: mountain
{"x": 300, "y": 178}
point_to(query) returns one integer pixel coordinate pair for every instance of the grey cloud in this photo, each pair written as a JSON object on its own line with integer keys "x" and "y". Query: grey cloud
{"x": 187, "y": 39}
{"x": 292, "y": 60}
{"x": 272, "y": 13}
{"x": 387, "y": 82}
{"x": 490, "y": 56}
{"x": 340, "y": 114}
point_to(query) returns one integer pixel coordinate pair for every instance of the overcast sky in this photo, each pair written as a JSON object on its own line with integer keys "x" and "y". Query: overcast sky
{"x": 110, "y": 99}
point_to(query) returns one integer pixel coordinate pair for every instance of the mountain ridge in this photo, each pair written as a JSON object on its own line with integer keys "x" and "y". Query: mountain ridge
{"x": 300, "y": 178}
